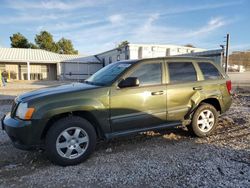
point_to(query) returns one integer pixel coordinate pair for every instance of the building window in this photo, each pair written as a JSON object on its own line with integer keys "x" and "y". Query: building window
{"x": 118, "y": 57}
{"x": 2, "y": 68}
{"x": 168, "y": 52}
{"x": 110, "y": 60}
{"x": 153, "y": 48}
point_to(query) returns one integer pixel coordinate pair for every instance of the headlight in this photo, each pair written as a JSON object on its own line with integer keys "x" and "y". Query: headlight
{"x": 23, "y": 112}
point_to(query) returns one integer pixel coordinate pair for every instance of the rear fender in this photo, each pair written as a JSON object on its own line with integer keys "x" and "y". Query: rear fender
{"x": 197, "y": 99}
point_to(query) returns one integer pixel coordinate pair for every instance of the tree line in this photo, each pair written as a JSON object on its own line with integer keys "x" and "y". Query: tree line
{"x": 44, "y": 40}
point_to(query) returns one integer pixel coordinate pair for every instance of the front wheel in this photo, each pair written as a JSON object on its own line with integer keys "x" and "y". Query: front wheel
{"x": 70, "y": 141}
{"x": 204, "y": 120}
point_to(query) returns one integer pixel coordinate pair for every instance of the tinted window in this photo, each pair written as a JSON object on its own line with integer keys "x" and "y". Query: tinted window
{"x": 181, "y": 72}
{"x": 209, "y": 71}
{"x": 148, "y": 74}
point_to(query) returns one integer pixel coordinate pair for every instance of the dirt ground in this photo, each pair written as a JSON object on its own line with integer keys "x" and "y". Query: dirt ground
{"x": 170, "y": 158}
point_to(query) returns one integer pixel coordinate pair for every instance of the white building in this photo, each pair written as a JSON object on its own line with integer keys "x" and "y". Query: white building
{"x": 37, "y": 64}
{"x": 139, "y": 51}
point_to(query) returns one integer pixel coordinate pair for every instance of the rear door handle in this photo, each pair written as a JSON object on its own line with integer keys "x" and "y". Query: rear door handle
{"x": 197, "y": 88}
{"x": 157, "y": 93}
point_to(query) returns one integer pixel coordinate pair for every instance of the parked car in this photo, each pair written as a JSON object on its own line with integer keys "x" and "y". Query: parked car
{"x": 123, "y": 98}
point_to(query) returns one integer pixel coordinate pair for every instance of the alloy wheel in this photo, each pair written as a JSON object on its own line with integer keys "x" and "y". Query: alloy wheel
{"x": 206, "y": 120}
{"x": 72, "y": 143}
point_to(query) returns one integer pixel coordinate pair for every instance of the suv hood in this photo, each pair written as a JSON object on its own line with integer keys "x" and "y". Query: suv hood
{"x": 54, "y": 91}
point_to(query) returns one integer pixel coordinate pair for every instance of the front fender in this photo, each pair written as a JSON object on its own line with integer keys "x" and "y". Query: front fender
{"x": 51, "y": 109}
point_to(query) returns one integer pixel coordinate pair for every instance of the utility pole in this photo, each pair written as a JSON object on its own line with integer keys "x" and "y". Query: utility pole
{"x": 227, "y": 54}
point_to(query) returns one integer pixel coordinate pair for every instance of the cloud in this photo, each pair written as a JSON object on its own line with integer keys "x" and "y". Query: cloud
{"x": 212, "y": 25}
{"x": 104, "y": 36}
{"x": 54, "y": 4}
{"x": 146, "y": 27}
{"x": 22, "y": 18}
{"x": 193, "y": 7}
{"x": 91, "y": 36}
{"x": 68, "y": 26}
{"x": 94, "y": 28}
{"x": 116, "y": 18}
{"x": 151, "y": 32}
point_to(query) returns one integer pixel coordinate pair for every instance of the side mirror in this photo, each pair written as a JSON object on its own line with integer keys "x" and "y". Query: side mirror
{"x": 129, "y": 82}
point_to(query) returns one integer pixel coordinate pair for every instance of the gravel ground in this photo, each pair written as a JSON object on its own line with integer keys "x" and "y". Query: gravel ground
{"x": 170, "y": 158}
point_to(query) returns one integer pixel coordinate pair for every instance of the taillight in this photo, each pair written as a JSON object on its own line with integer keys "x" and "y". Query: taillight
{"x": 229, "y": 86}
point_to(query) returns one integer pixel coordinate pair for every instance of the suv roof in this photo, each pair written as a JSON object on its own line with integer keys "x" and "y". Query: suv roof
{"x": 180, "y": 57}
{"x": 170, "y": 57}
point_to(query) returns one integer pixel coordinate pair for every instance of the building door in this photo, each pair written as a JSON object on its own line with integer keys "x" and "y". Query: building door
{"x": 52, "y": 73}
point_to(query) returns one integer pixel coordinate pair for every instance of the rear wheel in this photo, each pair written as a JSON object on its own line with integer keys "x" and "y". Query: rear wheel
{"x": 70, "y": 141}
{"x": 204, "y": 120}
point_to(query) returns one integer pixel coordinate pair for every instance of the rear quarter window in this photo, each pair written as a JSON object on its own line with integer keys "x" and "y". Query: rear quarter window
{"x": 180, "y": 72}
{"x": 209, "y": 71}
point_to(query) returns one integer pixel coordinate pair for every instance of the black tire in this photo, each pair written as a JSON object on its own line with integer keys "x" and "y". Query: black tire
{"x": 195, "y": 128}
{"x": 61, "y": 126}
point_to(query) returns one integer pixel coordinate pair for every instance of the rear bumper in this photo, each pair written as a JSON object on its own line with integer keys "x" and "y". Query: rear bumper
{"x": 227, "y": 102}
{"x": 22, "y": 133}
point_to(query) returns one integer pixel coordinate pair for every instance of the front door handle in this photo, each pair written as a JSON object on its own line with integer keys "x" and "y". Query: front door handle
{"x": 157, "y": 93}
{"x": 197, "y": 88}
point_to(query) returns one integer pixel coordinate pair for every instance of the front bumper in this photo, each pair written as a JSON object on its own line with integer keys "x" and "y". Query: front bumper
{"x": 22, "y": 133}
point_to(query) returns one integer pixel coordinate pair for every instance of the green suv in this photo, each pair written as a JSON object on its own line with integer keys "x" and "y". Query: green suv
{"x": 123, "y": 98}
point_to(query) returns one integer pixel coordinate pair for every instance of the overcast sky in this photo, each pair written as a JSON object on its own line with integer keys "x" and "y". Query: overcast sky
{"x": 98, "y": 25}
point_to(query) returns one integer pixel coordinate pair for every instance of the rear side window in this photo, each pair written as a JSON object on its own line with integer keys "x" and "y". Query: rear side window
{"x": 210, "y": 72}
{"x": 180, "y": 72}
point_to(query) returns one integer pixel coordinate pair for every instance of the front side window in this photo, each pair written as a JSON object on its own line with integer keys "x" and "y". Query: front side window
{"x": 210, "y": 72}
{"x": 148, "y": 74}
{"x": 180, "y": 72}
{"x": 108, "y": 74}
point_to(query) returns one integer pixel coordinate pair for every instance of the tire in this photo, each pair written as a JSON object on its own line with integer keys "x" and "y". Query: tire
{"x": 204, "y": 120}
{"x": 70, "y": 141}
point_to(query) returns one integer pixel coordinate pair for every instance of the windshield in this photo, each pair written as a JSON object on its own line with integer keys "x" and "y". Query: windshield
{"x": 108, "y": 74}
